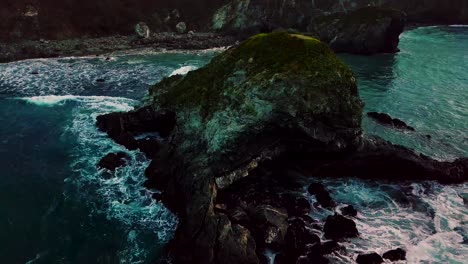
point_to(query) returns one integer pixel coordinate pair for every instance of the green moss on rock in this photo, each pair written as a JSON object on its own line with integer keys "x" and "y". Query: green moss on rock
{"x": 267, "y": 76}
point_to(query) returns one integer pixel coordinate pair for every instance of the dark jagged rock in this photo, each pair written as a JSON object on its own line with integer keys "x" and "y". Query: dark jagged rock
{"x": 338, "y": 227}
{"x": 371, "y": 258}
{"x": 297, "y": 205}
{"x": 269, "y": 225}
{"x": 123, "y": 127}
{"x": 112, "y": 161}
{"x": 149, "y": 146}
{"x": 318, "y": 250}
{"x": 365, "y": 31}
{"x": 256, "y": 16}
{"x": 297, "y": 238}
{"x": 387, "y": 120}
{"x": 380, "y": 159}
{"x": 395, "y": 255}
{"x": 322, "y": 195}
{"x": 349, "y": 211}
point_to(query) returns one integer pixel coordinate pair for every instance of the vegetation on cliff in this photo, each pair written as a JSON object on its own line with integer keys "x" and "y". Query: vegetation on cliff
{"x": 249, "y": 85}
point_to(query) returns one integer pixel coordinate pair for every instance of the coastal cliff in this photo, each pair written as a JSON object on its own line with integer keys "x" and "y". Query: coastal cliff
{"x": 243, "y": 133}
{"x": 53, "y": 19}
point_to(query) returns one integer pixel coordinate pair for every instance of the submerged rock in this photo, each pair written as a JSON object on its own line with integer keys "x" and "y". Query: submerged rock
{"x": 349, "y": 211}
{"x": 365, "y": 31}
{"x": 112, "y": 161}
{"x": 395, "y": 255}
{"x": 338, "y": 227}
{"x": 385, "y": 119}
{"x": 371, "y": 258}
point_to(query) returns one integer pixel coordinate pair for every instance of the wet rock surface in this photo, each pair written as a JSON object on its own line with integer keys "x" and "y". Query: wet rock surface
{"x": 395, "y": 255}
{"x": 349, "y": 211}
{"x": 338, "y": 227}
{"x": 322, "y": 195}
{"x": 387, "y": 120}
{"x": 370, "y": 258}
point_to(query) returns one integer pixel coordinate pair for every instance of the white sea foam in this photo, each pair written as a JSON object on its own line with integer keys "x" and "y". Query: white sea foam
{"x": 458, "y": 25}
{"x": 120, "y": 196}
{"x": 422, "y": 223}
{"x": 120, "y": 104}
{"x": 183, "y": 70}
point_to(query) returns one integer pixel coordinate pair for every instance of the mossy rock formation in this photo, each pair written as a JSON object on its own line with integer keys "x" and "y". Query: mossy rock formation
{"x": 250, "y": 103}
{"x": 277, "y": 108}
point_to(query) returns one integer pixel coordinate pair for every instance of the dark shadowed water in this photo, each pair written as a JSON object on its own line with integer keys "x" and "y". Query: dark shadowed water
{"x": 56, "y": 207}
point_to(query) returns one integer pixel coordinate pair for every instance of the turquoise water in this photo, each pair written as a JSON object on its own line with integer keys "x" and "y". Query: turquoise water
{"x": 56, "y": 207}
{"x": 426, "y": 85}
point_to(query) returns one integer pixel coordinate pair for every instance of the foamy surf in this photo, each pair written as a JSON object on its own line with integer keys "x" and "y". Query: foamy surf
{"x": 420, "y": 218}
{"x": 119, "y": 103}
{"x": 120, "y": 196}
{"x": 183, "y": 70}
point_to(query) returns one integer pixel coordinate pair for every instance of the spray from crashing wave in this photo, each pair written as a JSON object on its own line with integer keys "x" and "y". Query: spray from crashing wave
{"x": 120, "y": 196}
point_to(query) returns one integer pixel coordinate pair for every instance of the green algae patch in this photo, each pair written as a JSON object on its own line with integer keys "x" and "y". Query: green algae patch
{"x": 249, "y": 86}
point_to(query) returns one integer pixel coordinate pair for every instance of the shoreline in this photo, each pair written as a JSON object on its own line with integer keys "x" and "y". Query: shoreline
{"x": 97, "y": 46}
{"x": 36, "y": 49}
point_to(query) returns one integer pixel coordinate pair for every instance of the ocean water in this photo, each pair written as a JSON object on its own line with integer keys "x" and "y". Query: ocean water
{"x": 57, "y": 207}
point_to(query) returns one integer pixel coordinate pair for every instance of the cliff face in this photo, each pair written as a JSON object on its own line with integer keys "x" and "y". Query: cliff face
{"x": 368, "y": 30}
{"x": 26, "y": 19}
{"x": 432, "y": 11}
{"x": 33, "y": 19}
{"x": 56, "y": 19}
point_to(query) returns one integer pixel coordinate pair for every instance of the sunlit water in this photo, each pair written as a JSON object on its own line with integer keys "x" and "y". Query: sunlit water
{"x": 56, "y": 207}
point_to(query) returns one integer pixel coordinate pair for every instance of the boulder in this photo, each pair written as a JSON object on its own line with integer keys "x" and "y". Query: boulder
{"x": 142, "y": 30}
{"x": 269, "y": 225}
{"x": 368, "y": 30}
{"x": 322, "y": 195}
{"x": 387, "y": 120}
{"x": 338, "y": 227}
{"x": 370, "y": 258}
{"x": 112, "y": 161}
{"x": 181, "y": 28}
{"x": 349, "y": 211}
{"x": 395, "y": 255}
